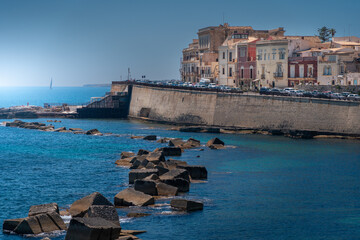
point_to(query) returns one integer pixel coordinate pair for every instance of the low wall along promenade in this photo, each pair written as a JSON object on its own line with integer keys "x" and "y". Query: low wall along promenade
{"x": 244, "y": 111}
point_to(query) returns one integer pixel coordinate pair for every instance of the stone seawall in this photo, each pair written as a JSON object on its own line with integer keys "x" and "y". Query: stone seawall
{"x": 244, "y": 111}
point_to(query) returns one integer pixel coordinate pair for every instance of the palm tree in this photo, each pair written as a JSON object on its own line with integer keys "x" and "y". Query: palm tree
{"x": 332, "y": 31}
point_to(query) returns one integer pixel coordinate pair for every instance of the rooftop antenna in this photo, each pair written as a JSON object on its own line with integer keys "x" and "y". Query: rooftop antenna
{"x": 129, "y": 75}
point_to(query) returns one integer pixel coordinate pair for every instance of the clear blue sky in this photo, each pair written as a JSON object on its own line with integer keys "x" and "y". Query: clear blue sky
{"x": 86, "y": 41}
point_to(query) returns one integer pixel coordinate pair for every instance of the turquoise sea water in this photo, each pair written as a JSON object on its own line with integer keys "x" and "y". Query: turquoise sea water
{"x": 18, "y": 96}
{"x": 260, "y": 187}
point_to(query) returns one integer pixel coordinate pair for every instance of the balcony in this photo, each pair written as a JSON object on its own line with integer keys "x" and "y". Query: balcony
{"x": 278, "y": 74}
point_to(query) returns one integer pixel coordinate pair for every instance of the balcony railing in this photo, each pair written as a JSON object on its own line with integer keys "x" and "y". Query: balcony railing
{"x": 278, "y": 74}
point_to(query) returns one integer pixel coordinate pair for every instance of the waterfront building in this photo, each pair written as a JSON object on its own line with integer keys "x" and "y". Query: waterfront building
{"x": 303, "y": 67}
{"x": 246, "y": 55}
{"x": 339, "y": 66}
{"x": 272, "y": 58}
{"x": 271, "y": 64}
{"x": 347, "y": 42}
{"x": 190, "y": 63}
{"x": 209, "y": 41}
{"x": 228, "y": 59}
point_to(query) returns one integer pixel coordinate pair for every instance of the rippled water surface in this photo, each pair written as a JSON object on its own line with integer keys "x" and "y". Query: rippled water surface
{"x": 260, "y": 187}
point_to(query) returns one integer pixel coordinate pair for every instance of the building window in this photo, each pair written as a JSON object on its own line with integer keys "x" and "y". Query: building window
{"x": 265, "y": 54}
{"x": 274, "y": 53}
{"x": 223, "y": 71}
{"x": 230, "y": 56}
{"x": 342, "y": 69}
{"x": 223, "y": 55}
{"x": 310, "y": 71}
{"x": 259, "y": 54}
{"x": 242, "y": 72}
{"x": 242, "y": 52}
{"x": 327, "y": 70}
{"x": 230, "y": 72}
{"x": 281, "y": 53}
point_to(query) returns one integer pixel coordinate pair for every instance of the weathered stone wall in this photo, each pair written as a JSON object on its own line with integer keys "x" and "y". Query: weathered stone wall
{"x": 118, "y": 88}
{"x": 242, "y": 111}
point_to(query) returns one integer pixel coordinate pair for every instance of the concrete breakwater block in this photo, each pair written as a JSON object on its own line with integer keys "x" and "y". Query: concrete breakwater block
{"x": 186, "y": 205}
{"x": 146, "y": 186}
{"x": 176, "y": 173}
{"x": 41, "y": 223}
{"x": 215, "y": 143}
{"x": 108, "y": 213}
{"x": 141, "y": 174}
{"x": 166, "y": 190}
{"x": 131, "y": 197}
{"x": 182, "y": 184}
{"x": 126, "y": 154}
{"x": 170, "y": 151}
{"x": 155, "y": 157}
{"x": 9, "y": 225}
{"x": 196, "y": 172}
{"x": 93, "y": 228}
{"x": 80, "y": 207}
{"x": 43, "y": 208}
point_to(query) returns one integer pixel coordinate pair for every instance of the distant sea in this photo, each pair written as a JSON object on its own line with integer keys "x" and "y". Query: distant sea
{"x": 17, "y": 96}
{"x": 259, "y": 187}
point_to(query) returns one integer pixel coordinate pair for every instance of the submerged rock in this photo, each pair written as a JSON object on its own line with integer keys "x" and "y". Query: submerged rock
{"x": 136, "y": 215}
{"x": 93, "y": 228}
{"x": 131, "y": 197}
{"x": 94, "y": 132}
{"x": 80, "y": 207}
{"x": 150, "y": 137}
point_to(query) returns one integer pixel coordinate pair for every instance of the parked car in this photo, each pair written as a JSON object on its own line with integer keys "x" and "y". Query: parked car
{"x": 338, "y": 96}
{"x": 274, "y": 91}
{"x": 291, "y": 92}
{"x": 345, "y": 94}
{"x": 289, "y": 89}
{"x": 299, "y": 93}
{"x": 354, "y": 97}
{"x": 307, "y": 94}
{"x": 212, "y": 85}
{"x": 264, "y": 90}
{"x": 283, "y": 92}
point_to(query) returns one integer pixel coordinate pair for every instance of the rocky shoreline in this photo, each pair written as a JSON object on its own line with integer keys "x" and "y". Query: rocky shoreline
{"x": 152, "y": 176}
{"x": 296, "y": 134}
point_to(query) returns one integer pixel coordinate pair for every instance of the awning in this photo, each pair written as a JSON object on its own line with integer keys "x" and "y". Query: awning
{"x": 256, "y": 80}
